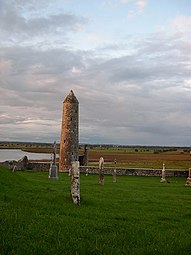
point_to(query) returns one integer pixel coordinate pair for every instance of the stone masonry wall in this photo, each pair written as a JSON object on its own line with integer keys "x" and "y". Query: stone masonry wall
{"x": 136, "y": 171}
{"x": 44, "y": 166}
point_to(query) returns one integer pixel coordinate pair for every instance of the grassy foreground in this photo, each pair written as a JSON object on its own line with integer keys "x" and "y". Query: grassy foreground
{"x": 136, "y": 215}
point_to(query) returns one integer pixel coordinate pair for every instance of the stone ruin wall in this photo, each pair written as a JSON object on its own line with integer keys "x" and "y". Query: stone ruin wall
{"x": 135, "y": 171}
{"x": 44, "y": 166}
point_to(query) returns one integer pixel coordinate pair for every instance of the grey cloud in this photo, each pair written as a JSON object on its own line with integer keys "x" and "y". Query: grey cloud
{"x": 16, "y": 26}
{"x": 140, "y": 98}
{"x": 43, "y": 61}
{"x": 53, "y": 24}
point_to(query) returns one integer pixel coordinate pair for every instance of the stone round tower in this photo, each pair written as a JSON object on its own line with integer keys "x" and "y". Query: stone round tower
{"x": 69, "y": 144}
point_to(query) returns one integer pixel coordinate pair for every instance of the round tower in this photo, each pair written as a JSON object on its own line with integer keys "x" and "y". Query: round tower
{"x": 69, "y": 134}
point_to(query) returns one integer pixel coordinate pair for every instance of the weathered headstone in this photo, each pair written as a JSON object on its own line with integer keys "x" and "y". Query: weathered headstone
{"x": 53, "y": 171}
{"x": 188, "y": 180}
{"x": 114, "y": 172}
{"x": 75, "y": 182}
{"x": 85, "y": 161}
{"x": 101, "y": 171}
{"x": 163, "y": 178}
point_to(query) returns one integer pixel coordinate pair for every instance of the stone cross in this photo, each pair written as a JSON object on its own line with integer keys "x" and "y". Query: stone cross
{"x": 188, "y": 180}
{"x": 163, "y": 178}
{"x": 53, "y": 171}
{"x": 75, "y": 182}
{"x": 101, "y": 171}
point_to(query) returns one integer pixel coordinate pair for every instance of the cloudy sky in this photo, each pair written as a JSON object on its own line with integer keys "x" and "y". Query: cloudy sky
{"x": 127, "y": 61}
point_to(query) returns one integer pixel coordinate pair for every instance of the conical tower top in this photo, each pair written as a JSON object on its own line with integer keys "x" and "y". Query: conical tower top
{"x": 71, "y": 98}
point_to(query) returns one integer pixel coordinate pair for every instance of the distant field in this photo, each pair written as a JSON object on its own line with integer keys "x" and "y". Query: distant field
{"x": 132, "y": 156}
{"x": 172, "y": 160}
{"x": 136, "y": 215}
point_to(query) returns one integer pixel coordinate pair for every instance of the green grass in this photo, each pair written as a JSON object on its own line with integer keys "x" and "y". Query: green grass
{"x": 136, "y": 215}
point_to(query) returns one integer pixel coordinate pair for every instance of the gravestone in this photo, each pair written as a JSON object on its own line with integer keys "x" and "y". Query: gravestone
{"x": 101, "y": 171}
{"x": 75, "y": 182}
{"x": 188, "y": 180}
{"x": 53, "y": 171}
{"x": 163, "y": 178}
{"x": 114, "y": 172}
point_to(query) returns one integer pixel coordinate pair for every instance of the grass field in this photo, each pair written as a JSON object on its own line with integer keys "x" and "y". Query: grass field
{"x": 136, "y": 215}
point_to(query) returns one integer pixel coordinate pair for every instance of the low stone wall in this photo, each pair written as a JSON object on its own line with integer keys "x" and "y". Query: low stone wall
{"x": 44, "y": 166}
{"x": 136, "y": 171}
{"x": 30, "y": 166}
{"x": 39, "y": 166}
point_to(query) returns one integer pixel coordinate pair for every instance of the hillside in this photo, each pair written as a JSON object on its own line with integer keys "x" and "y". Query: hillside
{"x": 136, "y": 215}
